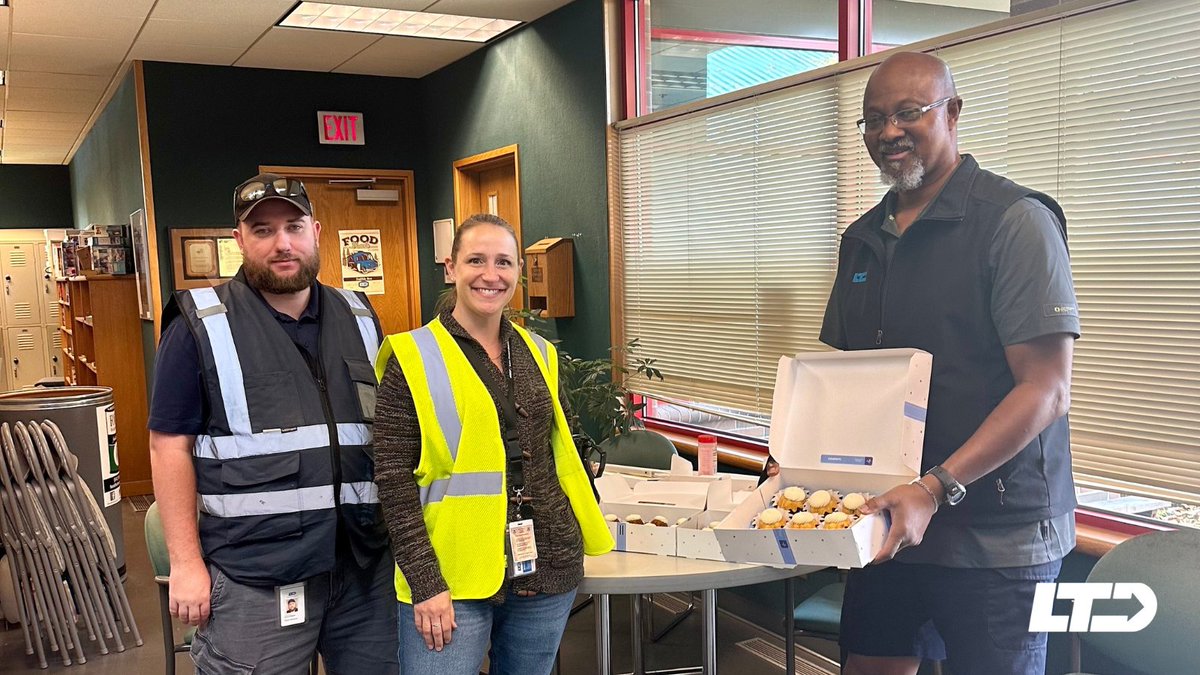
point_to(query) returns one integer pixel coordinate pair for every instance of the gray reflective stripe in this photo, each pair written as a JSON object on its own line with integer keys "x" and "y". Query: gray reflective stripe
{"x": 481, "y": 484}
{"x": 276, "y": 441}
{"x": 438, "y": 379}
{"x": 209, "y": 311}
{"x": 366, "y": 326}
{"x": 268, "y": 503}
{"x": 364, "y": 492}
{"x": 545, "y": 348}
{"x": 229, "y": 368}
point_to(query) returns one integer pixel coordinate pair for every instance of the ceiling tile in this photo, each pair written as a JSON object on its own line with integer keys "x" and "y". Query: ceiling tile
{"x": 261, "y": 13}
{"x": 28, "y": 78}
{"x": 52, "y": 100}
{"x": 300, "y": 49}
{"x": 181, "y": 53}
{"x": 521, "y": 10}
{"x": 209, "y": 34}
{"x": 18, "y": 119}
{"x": 102, "y": 19}
{"x": 407, "y": 57}
{"x": 80, "y": 56}
{"x": 33, "y": 158}
{"x": 5, "y": 17}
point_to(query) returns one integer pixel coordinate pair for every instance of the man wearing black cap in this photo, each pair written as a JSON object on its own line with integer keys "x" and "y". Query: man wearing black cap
{"x": 264, "y": 396}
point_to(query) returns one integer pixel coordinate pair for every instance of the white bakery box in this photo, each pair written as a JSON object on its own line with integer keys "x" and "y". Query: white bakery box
{"x": 671, "y": 497}
{"x": 844, "y": 421}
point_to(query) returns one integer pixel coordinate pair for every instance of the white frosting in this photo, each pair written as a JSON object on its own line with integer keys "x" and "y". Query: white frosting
{"x": 770, "y": 516}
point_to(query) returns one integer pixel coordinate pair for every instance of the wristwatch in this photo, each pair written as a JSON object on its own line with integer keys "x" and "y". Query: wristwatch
{"x": 955, "y": 491}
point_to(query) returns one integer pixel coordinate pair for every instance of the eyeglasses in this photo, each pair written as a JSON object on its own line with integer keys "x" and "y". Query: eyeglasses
{"x": 900, "y": 118}
{"x": 256, "y": 189}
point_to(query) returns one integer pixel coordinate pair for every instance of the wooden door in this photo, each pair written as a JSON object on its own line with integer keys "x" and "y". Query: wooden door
{"x": 490, "y": 182}
{"x": 337, "y": 207}
{"x": 22, "y": 285}
{"x": 26, "y": 355}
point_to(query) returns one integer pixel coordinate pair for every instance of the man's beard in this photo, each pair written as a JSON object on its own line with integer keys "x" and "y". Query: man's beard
{"x": 261, "y": 277}
{"x": 896, "y": 175}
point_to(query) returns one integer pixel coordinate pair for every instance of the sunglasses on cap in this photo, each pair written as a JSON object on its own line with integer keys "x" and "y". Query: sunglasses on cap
{"x": 256, "y": 189}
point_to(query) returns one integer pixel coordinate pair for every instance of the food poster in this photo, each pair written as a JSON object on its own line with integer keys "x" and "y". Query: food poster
{"x": 362, "y": 261}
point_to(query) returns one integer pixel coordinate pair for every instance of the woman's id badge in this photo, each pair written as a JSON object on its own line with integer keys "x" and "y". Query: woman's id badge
{"x": 522, "y": 547}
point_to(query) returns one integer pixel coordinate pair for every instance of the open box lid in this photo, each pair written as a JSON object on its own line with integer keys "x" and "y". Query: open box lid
{"x": 674, "y": 491}
{"x": 853, "y": 412}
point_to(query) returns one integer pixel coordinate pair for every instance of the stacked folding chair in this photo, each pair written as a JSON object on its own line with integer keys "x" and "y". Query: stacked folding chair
{"x": 62, "y": 555}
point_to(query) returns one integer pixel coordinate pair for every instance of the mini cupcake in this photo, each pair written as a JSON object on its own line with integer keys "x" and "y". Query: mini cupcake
{"x": 837, "y": 521}
{"x": 634, "y": 519}
{"x": 791, "y": 499}
{"x": 852, "y": 502}
{"x": 681, "y": 521}
{"x": 804, "y": 521}
{"x": 659, "y": 521}
{"x": 612, "y": 517}
{"x": 771, "y": 519}
{"x": 822, "y": 502}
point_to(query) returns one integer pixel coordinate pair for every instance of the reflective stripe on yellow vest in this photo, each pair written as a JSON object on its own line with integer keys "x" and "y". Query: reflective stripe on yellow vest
{"x": 463, "y": 493}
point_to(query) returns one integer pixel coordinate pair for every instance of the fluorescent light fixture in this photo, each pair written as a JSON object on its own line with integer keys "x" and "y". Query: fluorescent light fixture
{"x": 356, "y": 19}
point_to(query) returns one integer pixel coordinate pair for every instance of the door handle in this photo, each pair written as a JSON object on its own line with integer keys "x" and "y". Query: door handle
{"x": 8, "y": 284}
{"x": 15, "y": 363}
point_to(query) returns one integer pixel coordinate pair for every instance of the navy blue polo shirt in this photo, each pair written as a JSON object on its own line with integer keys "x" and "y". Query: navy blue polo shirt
{"x": 179, "y": 404}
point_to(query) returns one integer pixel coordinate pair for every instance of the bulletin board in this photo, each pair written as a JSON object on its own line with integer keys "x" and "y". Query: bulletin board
{"x": 204, "y": 257}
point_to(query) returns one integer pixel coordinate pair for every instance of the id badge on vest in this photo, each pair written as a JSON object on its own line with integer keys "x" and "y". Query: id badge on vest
{"x": 522, "y": 549}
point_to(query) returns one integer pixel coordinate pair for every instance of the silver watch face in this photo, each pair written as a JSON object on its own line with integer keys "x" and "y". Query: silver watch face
{"x": 955, "y": 494}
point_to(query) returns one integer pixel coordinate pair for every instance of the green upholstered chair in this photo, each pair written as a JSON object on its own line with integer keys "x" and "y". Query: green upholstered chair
{"x": 156, "y": 546}
{"x": 640, "y": 447}
{"x": 1166, "y": 562}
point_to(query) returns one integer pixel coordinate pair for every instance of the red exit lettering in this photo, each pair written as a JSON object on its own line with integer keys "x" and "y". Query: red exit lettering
{"x": 342, "y": 128}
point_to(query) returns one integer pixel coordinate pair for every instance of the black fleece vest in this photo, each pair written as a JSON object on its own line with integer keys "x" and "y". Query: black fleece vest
{"x": 936, "y": 296}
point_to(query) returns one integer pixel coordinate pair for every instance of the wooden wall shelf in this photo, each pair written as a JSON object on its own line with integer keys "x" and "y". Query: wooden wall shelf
{"x": 109, "y": 354}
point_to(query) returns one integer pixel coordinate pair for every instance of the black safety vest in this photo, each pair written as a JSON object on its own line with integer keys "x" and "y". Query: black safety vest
{"x": 936, "y": 296}
{"x": 286, "y": 459}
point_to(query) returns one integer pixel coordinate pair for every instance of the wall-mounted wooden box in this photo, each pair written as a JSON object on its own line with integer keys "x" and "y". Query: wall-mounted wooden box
{"x": 550, "y": 275}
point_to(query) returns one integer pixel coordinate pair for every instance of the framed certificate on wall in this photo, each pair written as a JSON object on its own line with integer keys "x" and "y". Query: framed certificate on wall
{"x": 204, "y": 257}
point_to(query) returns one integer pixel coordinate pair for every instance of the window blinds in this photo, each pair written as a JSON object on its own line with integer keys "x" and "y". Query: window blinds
{"x": 730, "y": 218}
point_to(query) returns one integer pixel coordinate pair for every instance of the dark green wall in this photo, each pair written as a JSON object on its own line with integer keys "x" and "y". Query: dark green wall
{"x": 106, "y": 172}
{"x": 543, "y": 89}
{"x": 34, "y": 196}
{"x": 106, "y": 177}
{"x": 211, "y": 127}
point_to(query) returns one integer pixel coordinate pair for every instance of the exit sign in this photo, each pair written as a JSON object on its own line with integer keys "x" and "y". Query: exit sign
{"x": 340, "y": 128}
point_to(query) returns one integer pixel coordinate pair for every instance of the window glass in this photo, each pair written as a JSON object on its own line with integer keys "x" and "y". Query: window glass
{"x": 902, "y": 22}
{"x": 704, "y": 48}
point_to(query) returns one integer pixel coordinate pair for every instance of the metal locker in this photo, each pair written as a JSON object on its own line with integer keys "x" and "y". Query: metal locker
{"x": 49, "y": 289}
{"x": 22, "y": 285}
{"x": 54, "y": 355}
{"x": 26, "y": 357}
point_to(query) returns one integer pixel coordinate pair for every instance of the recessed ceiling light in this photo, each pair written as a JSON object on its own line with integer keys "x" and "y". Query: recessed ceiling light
{"x": 357, "y": 19}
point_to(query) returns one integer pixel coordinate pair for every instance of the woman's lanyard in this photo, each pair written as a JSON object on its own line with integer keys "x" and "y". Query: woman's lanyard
{"x": 507, "y": 400}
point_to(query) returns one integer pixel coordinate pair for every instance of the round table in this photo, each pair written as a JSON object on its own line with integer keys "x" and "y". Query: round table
{"x": 620, "y": 573}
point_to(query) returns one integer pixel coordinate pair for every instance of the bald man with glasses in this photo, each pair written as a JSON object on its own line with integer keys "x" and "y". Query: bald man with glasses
{"x": 973, "y": 268}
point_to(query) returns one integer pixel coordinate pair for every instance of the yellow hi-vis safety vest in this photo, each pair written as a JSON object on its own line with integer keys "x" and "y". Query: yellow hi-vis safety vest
{"x": 461, "y": 474}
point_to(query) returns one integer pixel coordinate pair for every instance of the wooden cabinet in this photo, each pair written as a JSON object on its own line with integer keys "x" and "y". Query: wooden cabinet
{"x": 101, "y": 344}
